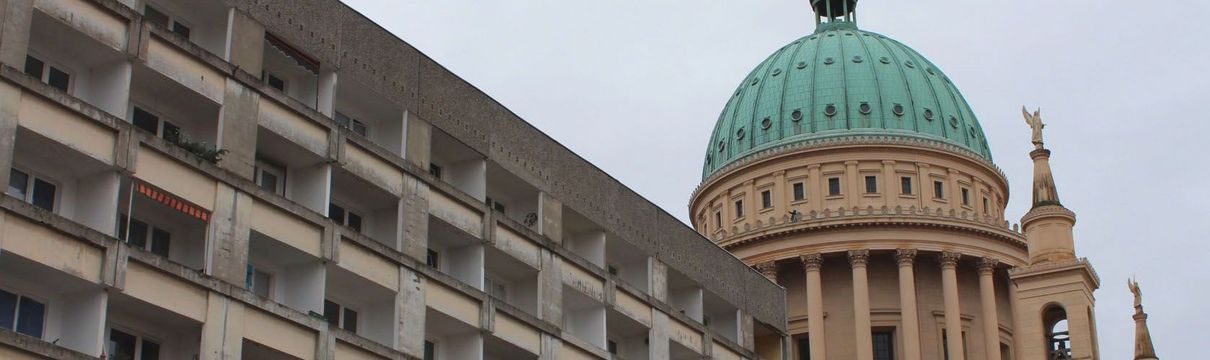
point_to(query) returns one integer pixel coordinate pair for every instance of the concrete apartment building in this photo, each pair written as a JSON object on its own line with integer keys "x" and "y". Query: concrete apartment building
{"x": 281, "y": 179}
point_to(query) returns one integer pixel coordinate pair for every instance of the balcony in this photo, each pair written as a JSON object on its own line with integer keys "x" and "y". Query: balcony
{"x": 628, "y": 263}
{"x": 685, "y": 295}
{"x": 584, "y": 317}
{"x": 456, "y": 164}
{"x": 365, "y": 208}
{"x": 155, "y": 220}
{"x": 138, "y": 330}
{"x": 201, "y": 22}
{"x": 513, "y": 197}
{"x": 626, "y": 338}
{"x": 49, "y": 304}
{"x": 287, "y": 169}
{"x": 291, "y": 71}
{"x": 77, "y": 64}
{"x": 167, "y": 109}
{"x": 456, "y": 253}
{"x": 364, "y": 112}
{"x": 720, "y": 316}
{"x": 285, "y": 274}
{"x": 584, "y": 237}
{"x": 511, "y": 281}
{"x": 55, "y": 177}
{"x": 359, "y": 305}
{"x": 448, "y": 338}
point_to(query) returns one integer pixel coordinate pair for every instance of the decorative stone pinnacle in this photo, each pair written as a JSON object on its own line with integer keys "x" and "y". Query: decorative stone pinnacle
{"x": 811, "y": 261}
{"x": 988, "y": 265}
{"x": 768, "y": 269}
{"x": 949, "y": 259}
{"x": 859, "y": 257}
{"x": 905, "y": 257}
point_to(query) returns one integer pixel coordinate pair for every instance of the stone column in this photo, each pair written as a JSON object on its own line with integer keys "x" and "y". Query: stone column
{"x": 953, "y": 314}
{"x": 1014, "y": 306}
{"x": 991, "y": 322}
{"x": 768, "y": 269}
{"x": 812, "y": 263}
{"x": 909, "y": 314}
{"x": 859, "y": 259}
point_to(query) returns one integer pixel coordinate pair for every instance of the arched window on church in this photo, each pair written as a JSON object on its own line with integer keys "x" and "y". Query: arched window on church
{"x": 1058, "y": 339}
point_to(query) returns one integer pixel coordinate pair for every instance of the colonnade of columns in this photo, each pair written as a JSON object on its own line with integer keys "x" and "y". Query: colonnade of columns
{"x": 910, "y": 322}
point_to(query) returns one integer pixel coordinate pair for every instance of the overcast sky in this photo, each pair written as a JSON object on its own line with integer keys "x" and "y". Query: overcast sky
{"x": 636, "y": 86}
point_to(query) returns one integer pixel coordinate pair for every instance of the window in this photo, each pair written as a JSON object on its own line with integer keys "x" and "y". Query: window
{"x": 871, "y": 184}
{"x": 833, "y": 186}
{"x": 22, "y": 314}
{"x": 938, "y": 190}
{"x": 799, "y": 191}
{"x": 739, "y": 209}
{"x": 126, "y": 346}
{"x": 155, "y": 16}
{"x": 52, "y": 75}
{"x": 430, "y": 350}
{"x": 905, "y": 185}
{"x": 351, "y": 124}
{"x": 152, "y": 123}
{"x": 613, "y": 270}
{"x": 31, "y": 189}
{"x": 766, "y": 199}
{"x": 259, "y": 281}
{"x": 986, "y": 205}
{"x": 495, "y": 205}
{"x": 140, "y": 235}
{"x": 340, "y": 316}
{"x": 270, "y": 177}
{"x": 612, "y": 346}
{"x": 884, "y": 345}
{"x": 945, "y": 345}
{"x": 273, "y": 81}
{"x": 804, "y": 347}
{"x": 966, "y": 196}
{"x": 432, "y": 259}
{"x": 344, "y": 217}
{"x": 435, "y": 170}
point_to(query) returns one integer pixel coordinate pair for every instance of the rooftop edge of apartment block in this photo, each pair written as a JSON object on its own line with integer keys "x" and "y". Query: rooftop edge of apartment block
{"x": 307, "y": 172}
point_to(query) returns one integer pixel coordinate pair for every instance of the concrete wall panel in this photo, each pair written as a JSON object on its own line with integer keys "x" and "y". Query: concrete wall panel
{"x": 450, "y": 302}
{"x": 347, "y": 352}
{"x": 684, "y": 335}
{"x": 176, "y": 178}
{"x": 279, "y": 334}
{"x": 518, "y": 246}
{"x": 165, "y": 291}
{"x": 185, "y": 69}
{"x": 369, "y": 265}
{"x": 455, "y": 213}
{"x": 295, "y": 127}
{"x": 518, "y": 333}
{"x": 582, "y": 280}
{"x": 287, "y": 228}
{"x": 571, "y": 352}
{"x": 721, "y": 352}
{"x": 370, "y": 167}
{"x": 64, "y": 126}
{"x": 633, "y": 307}
{"x": 41, "y": 244}
{"x": 89, "y": 18}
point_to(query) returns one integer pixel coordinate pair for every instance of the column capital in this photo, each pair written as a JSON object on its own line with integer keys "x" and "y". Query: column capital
{"x": 768, "y": 269}
{"x": 949, "y": 259}
{"x": 811, "y": 262}
{"x": 952, "y": 170}
{"x": 888, "y": 162}
{"x": 851, "y": 162}
{"x": 905, "y": 257}
{"x": 859, "y": 257}
{"x": 987, "y": 265}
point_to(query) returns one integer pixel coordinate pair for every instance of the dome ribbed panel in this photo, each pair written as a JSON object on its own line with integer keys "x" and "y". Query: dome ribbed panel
{"x": 845, "y": 68}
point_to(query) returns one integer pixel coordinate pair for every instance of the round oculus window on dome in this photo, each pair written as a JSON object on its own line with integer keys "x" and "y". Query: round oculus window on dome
{"x": 897, "y": 109}
{"x": 930, "y": 71}
{"x": 910, "y": 64}
{"x": 864, "y": 108}
{"x": 796, "y": 115}
{"x": 754, "y": 81}
{"x": 829, "y": 61}
{"x": 858, "y": 59}
{"x": 829, "y": 110}
{"x": 953, "y": 122}
{"x": 739, "y": 134}
{"x": 801, "y": 65}
{"x": 766, "y": 123}
{"x": 776, "y": 72}
{"x": 928, "y": 114}
{"x": 884, "y": 60}
{"x": 722, "y": 145}
{"x": 971, "y": 130}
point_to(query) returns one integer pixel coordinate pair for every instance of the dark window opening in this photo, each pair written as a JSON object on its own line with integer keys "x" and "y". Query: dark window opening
{"x": 986, "y": 205}
{"x": 804, "y": 348}
{"x": 766, "y": 199}
{"x": 833, "y": 186}
{"x": 739, "y": 208}
{"x": 799, "y": 192}
{"x": 435, "y": 170}
{"x": 884, "y": 345}
{"x": 34, "y": 67}
{"x": 938, "y": 190}
{"x": 966, "y": 196}
{"x": 58, "y": 78}
{"x": 718, "y": 219}
{"x": 905, "y": 185}
{"x": 274, "y": 82}
{"x": 432, "y": 259}
{"x": 430, "y": 350}
{"x": 871, "y": 184}
{"x": 22, "y": 314}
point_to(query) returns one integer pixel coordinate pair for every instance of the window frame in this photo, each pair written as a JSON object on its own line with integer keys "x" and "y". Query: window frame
{"x": 47, "y": 65}
{"x": 766, "y": 199}
{"x": 268, "y": 76}
{"x": 906, "y": 186}
{"x": 965, "y": 193}
{"x": 489, "y": 280}
{"x": 938, "y": 190}
{"x": 341, "y": 320}
{"x": 250, "y": 281}
{"x": 172, "y": 21}
{"x": 32, "y": 178}
{"x": 279, "y": 171}
{"x": 17, "y": 310}
{"x": 839, "y": 186}
{"x": 798, "y": 191}
{"x": 870, "y": 180}
{"x": 161, "y": 122}
{"x": 738, "y": 208}
{"x": 139, "y": 339}
{"x": 149, "y": 239}
{"x": 345, "y": 216}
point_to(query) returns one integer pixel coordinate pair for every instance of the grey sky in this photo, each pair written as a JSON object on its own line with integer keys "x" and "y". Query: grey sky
{"x": 636, "y": 86}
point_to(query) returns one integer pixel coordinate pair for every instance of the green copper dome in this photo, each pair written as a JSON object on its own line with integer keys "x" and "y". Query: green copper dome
{"x": 841, "y": 82}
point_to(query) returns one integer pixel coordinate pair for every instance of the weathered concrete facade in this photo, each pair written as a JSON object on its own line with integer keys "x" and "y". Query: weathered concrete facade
{"x": 286, "y": 179}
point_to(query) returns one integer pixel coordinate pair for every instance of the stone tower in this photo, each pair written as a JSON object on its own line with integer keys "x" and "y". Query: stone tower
{"x": 1055, "y": 286}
